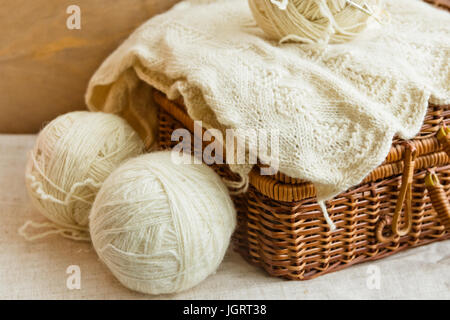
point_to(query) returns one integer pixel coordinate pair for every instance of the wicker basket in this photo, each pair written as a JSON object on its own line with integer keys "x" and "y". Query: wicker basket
{"x": 402, "y": 204}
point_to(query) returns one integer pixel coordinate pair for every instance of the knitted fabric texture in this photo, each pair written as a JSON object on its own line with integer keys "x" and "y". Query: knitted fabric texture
{"x": 336, "y": 107}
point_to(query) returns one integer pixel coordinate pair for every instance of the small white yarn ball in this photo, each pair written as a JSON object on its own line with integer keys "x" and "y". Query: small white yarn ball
{"x": 72, "y": 157}
{"x": 312, "y": 21}
{"x": 162, "y": 227}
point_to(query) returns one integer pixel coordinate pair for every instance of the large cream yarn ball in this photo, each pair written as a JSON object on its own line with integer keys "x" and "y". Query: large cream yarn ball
{"x": 312, "y": 21}
{"x": 71, "y": 158}
{"x": 162, "y": 227}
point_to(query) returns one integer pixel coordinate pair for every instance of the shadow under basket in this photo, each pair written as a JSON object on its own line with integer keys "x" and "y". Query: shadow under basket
{"x": 402, "y": 204}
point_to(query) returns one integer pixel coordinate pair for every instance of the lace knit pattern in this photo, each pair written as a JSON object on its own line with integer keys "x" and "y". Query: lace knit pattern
{"x": 336, "y": 107}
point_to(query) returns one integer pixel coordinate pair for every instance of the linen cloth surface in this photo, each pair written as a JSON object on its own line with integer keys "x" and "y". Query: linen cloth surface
{"x": 335, "y": 108}
{"x": 38, "y": 269}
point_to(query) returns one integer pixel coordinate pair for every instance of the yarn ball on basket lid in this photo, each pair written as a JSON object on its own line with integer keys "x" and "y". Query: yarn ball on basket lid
{"x": 72, "y": 157}
{"x": 161, "y": 226}
{"x": 313, "y": 21}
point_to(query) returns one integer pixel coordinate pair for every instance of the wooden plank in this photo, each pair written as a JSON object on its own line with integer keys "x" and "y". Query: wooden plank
{"x": 45, "y": 67}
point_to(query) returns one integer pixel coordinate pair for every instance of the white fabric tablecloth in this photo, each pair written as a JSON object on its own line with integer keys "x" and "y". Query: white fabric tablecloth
{"x": 37, "y": 270}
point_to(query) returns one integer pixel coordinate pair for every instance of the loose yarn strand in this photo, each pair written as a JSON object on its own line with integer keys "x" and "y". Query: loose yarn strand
{"x": 366, "y": 10}
{"x": 69, "y": 196}
{"x": 38, "y": 188}
{"x": 69, "y": 233}
{"x": 238, "y": 187}
{"x": 282, "y": 5}
{"x": 327, "y": 216}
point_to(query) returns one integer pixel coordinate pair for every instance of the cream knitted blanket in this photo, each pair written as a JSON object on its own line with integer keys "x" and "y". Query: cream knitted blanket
{"x": 336, "y": 108}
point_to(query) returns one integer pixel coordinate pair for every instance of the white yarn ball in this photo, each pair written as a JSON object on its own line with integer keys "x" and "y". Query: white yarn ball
{"x": 162, "y": 227}
{"x": 71, "y": 158}
{"x": 312, "y": 21}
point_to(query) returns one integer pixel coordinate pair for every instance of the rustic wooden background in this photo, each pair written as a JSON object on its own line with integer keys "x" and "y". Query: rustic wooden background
{"x": 45, "y": 67}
